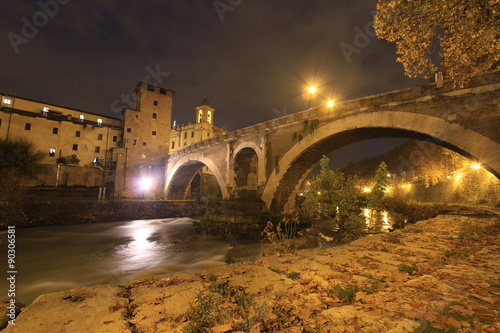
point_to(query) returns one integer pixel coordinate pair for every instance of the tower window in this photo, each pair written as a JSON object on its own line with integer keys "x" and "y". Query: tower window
{"x": 97, "y": 149}
{"x": 155, "y": 103}
{"x": 27, "y": 127}
{"x": 55, "y": 130}
{"x": 75, "y": 147}
{"x": 52, "y": 152}
{"x": 129, "y": 130}
{"x": 163, "y": 91}
{"x": 200, "y": 116}
{"x": 209, "y": 117}
{"x": 154, "y": 115}
{"x": 99, "y": 136}
{"x": 153, "y": 133}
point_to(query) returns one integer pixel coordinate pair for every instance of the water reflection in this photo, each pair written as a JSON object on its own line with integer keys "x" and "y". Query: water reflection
{"x": 377, "y": 221}
{"x": 63, "y": 257}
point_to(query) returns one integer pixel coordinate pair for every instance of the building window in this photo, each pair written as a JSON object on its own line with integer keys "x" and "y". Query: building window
{"x": 200, "y": 116}
{"x": 151, "y": 87}
{"x": 97, "y": 149}
{"x": 155, "y": 103}
{"x": 52, "y": 152}
{"x": 75, "y": 147}
{"x": 99, "y": 121}
{"x": 192, "y": 134}
{"x": 55, "y": 130}
{"x": 77, "y": 134}
{"x": 82, "y": 117}
{"x": 129, "y": 130}
{"x": 134, "y": 142}
{"x": 154, "y": 115}
{"x": 144, "y": 144}
{"x": 7, "y": 101}
{"x": 185, "y": 145}
{"x": 153, "y": 132}
{"x": 27, "y": 127}
{"x": 163, "y": 91}
{"x": 209, "y": 117}
{"x": 208, "y": 134}
{"x": 0, "y": 122}
{"x": 99, "y": 136}
{"x": 173, "y": 144}
{"x": 185, "y": 135}
{"x": 115, "y": 138}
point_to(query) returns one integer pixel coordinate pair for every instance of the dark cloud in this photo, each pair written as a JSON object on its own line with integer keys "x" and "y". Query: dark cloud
{"x": 256, "y": 60}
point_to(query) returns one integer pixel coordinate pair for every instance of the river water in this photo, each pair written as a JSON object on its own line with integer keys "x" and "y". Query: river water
{"x": 57, "y": 258}
{"x": 63, "y": 257}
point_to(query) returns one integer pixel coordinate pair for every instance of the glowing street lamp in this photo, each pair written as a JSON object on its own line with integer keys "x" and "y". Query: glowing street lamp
{"x": 145, "y": 184}
{"x": 475, "y": 166}
{"x": 312, "y": 89}
{"x": 330, "y": 103}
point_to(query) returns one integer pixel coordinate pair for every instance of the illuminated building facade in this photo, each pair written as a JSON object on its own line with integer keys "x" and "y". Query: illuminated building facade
{"x": 89, "y": 149}
{"x": 182, "y": 136}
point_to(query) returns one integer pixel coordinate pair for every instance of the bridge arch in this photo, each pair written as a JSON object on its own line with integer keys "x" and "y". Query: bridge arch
{"x": 180, "y": 176}
{"x": 304, "y": 155}
{"x": 250, "y": 159}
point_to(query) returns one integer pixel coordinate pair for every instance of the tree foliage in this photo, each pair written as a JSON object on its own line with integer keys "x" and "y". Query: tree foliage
{"x": 334, "y": 198}
{"x": 18, "y": 160}
{"x": 19, "y": 156}
{"x": 464, "y": 34}
{"x": 380, "y": 186}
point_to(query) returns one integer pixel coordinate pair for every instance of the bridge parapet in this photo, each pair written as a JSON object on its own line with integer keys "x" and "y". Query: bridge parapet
{"x": 485, "y": 82}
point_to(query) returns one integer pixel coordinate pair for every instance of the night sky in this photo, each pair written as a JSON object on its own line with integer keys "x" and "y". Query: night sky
{"x": 252, "y": 58}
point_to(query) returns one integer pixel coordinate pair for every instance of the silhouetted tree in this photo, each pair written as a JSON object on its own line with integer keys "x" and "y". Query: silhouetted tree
{"x": 19, "y": 160}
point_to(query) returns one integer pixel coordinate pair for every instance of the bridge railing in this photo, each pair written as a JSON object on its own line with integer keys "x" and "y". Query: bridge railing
{"x": 344, "y": 108}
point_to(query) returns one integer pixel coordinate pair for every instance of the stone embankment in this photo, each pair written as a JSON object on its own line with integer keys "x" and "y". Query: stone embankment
{"x": 439, "y": 275}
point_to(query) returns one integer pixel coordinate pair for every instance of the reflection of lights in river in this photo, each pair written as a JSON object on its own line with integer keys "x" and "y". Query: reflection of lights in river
{"x": 377, "y": 221}
{"x": 141, "y": 251}
{"x": 385, "y": 218}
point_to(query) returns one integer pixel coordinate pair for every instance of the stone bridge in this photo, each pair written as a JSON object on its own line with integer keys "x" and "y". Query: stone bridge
{"x": 273, "y": 158}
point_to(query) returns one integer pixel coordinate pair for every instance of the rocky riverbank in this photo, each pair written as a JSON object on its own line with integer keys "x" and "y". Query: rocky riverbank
{"x": 441, "y": 273}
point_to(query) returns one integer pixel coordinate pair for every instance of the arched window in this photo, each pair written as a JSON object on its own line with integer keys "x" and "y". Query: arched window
{"x": 200, "y": 116}
{"x": 209, "y": 117}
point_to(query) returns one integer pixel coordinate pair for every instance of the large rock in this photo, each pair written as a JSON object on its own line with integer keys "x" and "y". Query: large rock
{"x": 96, "y": 309}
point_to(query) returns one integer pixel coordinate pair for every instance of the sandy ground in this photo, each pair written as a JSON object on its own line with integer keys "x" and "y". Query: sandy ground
{"x": 439, "y": 275}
